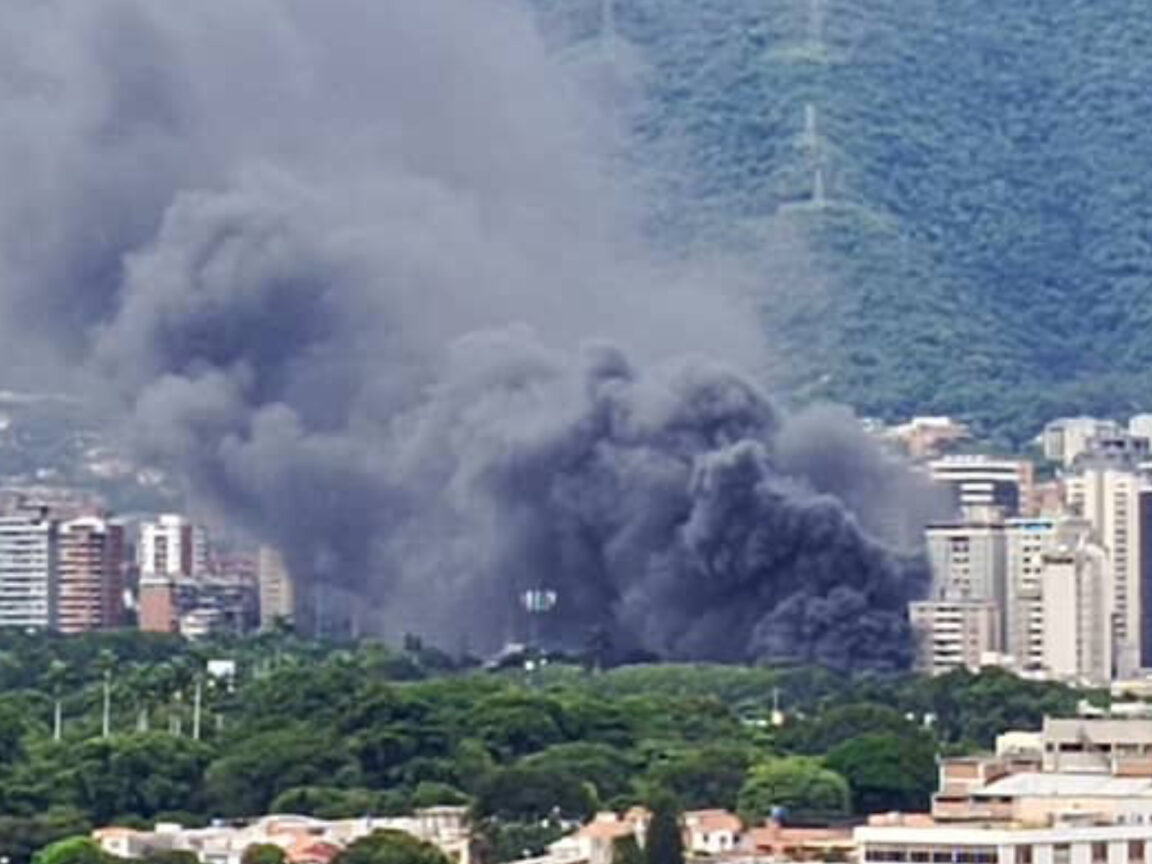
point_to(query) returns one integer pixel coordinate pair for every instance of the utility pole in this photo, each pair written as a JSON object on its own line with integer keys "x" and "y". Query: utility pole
{"x": 197, "y": 698}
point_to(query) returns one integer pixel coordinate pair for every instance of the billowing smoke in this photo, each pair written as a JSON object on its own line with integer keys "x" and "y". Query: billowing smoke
{"x": 357, "y": 270}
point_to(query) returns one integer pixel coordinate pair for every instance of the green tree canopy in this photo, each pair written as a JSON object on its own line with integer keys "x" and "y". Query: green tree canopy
{"x": 818, "y": 735}
{"x": 798, "y": 784}
{"x": 263, "y": 853}
{"x": 886, "y": 772}
{"x": 390, "y": 847}
{"x": 73, "y": 850}
{"x": 709, "y": 776}
{"x": 528, "y": 793}
{"x": 254, "y": 771}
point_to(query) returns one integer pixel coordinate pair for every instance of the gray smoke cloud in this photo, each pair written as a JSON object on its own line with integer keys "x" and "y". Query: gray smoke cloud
{"x": 358, "y": 271}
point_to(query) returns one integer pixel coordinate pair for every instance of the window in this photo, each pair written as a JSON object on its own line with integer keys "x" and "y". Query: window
{"x": 1061, "y": 853}
{"x": 1099, "y": 853}
{"x": 1135, "y": 851}
{"x": 1023, "y": 855}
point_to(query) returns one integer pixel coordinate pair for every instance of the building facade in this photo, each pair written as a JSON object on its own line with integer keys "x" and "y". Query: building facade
{"x": 165, "y": 548}
{"x": 28, "y": 570}
{"x": 90, "y": 582}
{"x": 952, "y": 634}
{"x": 1065, "y": 439}
{"x": 1113, "y": 499}
{"x": 1026, "y": 543}
{"x": 983, "y": 485}
{"x": 277, "y": 595}
{"x": 1077, "y": 604}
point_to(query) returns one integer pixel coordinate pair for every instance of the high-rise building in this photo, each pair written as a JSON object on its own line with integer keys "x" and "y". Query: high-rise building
{"x": 1120, "y": 449}
{"x": 1026, "y": 542}
{"x": 984, "y": 485}
{"x": 1112, "y": 498}
{"x": 1077, "y": 604}
{"x": 1065, "y": 439}
{"x": 28, "y": 571}
{"x": 165, "y": 548}
{"x": 954, "y": 633}
{"x": 90, "y": 582}
{"x": 968, "y": 561}
{"x": 277, "y": 595}
{"x": 173, "y": 546}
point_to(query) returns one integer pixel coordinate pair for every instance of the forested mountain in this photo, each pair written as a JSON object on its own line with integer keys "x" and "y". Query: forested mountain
{"x": 949, "y": 201}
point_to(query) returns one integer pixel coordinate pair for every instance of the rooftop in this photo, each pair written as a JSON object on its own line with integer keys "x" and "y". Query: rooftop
{"x": 1055, "y": 784}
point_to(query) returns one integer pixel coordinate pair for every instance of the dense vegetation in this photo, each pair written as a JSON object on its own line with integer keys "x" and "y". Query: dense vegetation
{"x": 339, "y": 731}
{"x": 985, "y": 245}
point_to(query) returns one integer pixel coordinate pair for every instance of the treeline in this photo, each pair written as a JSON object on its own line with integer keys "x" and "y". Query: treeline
{"x": 338, "y": 732}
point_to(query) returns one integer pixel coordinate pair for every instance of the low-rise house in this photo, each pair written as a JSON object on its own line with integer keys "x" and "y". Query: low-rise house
{"x": 711, "y": 832}
{"x": 595, "y": 842}
{"x": 304, "y": 839}
{"x": 780, "y": 843}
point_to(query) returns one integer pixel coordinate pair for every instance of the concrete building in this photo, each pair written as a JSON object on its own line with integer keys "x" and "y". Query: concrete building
{"x": 157, "y": 605}
{"x": 165, "y": 550}
{"x": 91, "y": 575}
{"x": 277, "y": 597}
{"x": 1068, "y": 841}
{"x": 984, "y": 485}
{"x": 926, "y": 437}
{"x": 1098, "y": 745}
{"x": 1064, "y": 439}
{"x": 173, "y": 546}
{"x": 968, "y": 561}
{"x": 1120, "y": 449}
{"x": 224, "y": 603}
{"x": 952, "y": 634}
{"x": 1140, "y": 425}
{"x": 1076, "y": 608}
{"x": 1117, "y": 501}
{"x": 1026, "y": 542}
{"x": 28, "y": 570}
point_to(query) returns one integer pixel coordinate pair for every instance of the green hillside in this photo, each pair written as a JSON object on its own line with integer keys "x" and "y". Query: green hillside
{"x": 950, "y": 202}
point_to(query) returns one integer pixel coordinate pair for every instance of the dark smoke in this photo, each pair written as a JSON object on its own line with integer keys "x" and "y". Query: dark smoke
{"x": 339, "y": 264}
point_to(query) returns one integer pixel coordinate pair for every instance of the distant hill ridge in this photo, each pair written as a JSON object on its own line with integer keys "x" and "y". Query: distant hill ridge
{"x": 956, "y": 195}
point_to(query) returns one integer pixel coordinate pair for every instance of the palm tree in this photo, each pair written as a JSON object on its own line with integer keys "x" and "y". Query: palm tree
{"x": 57, "y": 679}
{"x": 105, "y": 663}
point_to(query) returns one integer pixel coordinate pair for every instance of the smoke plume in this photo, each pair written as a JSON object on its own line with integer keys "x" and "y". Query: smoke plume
{"x": 358, "y": 271}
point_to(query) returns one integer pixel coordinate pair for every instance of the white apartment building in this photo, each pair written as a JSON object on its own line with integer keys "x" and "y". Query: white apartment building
{"x": 1065, "y": 439}
{"x": 968, "y": 561}
{"x": 985, "y": 484}
{"x": 1140, "y": 425}
{"x": 1077, "y": 603}
{"x": 1026, "y": 542}
{"x": 172, "y": 547}
{"x": 954, "y": 633}
{"x": 28, "y": 570}
{"x": 1117, "y": 502}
